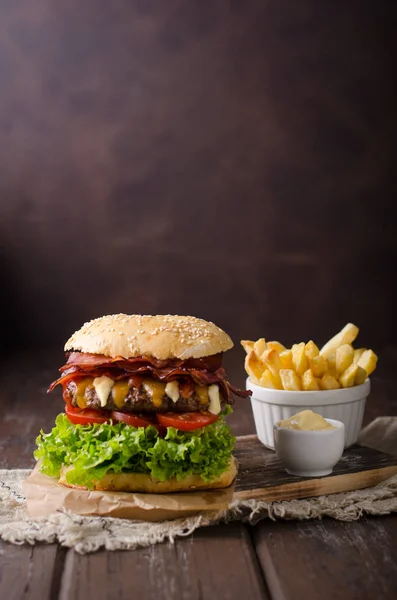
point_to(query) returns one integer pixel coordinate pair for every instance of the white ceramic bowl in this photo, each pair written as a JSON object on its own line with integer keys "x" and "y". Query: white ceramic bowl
{"x": 271, "y": 406}
{"x": 310, "y": 453}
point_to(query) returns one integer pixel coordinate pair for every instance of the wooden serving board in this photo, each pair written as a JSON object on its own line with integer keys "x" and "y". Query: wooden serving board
{"x": 261, "y": 476}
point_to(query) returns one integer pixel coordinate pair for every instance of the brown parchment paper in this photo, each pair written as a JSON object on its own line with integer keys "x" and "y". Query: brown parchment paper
{"x": 45, "y": 496}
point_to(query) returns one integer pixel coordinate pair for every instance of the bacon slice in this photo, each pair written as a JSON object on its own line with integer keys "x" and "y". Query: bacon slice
{"x": 186, "y": 388}
{"x": 86, "y": 360}
{"x": 200, "y": 377}
{"x": 202, "y": 371}
{"x": 238, "y": 392}
{"x": 74, "y": 373}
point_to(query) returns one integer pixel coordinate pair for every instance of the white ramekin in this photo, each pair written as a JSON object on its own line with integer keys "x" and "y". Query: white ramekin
{"x": 310, "y": 453}
{"x": 271, "y": 406}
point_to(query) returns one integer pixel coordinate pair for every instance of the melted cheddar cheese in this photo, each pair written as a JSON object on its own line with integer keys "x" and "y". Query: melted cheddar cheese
{"x": 120, "y": 391}
{"x": 81, "y": 387}
{"x": 156, "y": 391}
{"x": 202, "y": 393}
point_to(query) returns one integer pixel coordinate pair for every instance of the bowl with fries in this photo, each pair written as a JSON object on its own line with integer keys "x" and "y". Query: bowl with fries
{"x": 332, "y": 381}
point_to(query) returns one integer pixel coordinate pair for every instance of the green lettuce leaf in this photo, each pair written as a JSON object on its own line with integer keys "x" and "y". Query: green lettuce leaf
{"x": 94, "y": 450}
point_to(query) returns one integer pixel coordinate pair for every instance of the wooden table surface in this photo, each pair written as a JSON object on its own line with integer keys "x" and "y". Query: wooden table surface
{"x": 278, "y": 560}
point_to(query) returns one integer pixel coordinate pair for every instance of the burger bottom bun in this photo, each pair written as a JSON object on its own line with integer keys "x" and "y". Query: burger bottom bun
{"x": 141, "y": 482}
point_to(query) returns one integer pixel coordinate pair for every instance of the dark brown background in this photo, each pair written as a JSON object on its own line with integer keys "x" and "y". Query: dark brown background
{"x": 230, "y": 160}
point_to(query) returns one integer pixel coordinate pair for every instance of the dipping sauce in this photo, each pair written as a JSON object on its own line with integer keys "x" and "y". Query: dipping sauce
{"x": 306, "y": 420}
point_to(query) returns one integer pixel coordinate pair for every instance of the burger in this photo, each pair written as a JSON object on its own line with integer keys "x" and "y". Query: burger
{"x": 145, "y": 405}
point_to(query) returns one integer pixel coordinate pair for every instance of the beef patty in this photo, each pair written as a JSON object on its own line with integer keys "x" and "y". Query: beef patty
{"x": 136, "y": 400}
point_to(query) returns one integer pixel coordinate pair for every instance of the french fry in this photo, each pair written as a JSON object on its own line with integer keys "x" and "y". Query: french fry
{"x": 272, "y": 361}
{"x": 347, "y": 335}
{"x": 331, "y": 360}
{"x": 358, "y": 352}
{"x": 328, "y": 382}
{"x": 361, "y": 376}
{"x": 348, "y": 377}
{"x": 311, "y": 350}
{"x": 299, "y": 359}
{"x": 260, "y": 347}
{"x": 343, "y": 358}
{"x": 267, "y": 380}
{"x": 309, "y": 382}
{"x": 318, "y": 365}
{"x": 286, "y": 359}
{"x": 276, "y": 346}
{"x": 254, "y": 367}
{"x": 290, "y": 380}
{"x": 248, "y": 345}
{"x": 368, "y": 361}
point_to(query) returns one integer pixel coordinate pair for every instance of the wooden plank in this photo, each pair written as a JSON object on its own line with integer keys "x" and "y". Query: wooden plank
{"x": 25, "y": 405}
{"x": 262, "y": 476}
{"x": 213, "y": 563}
{"x": 331, "y": 560}
{"x": 30, "y": 572}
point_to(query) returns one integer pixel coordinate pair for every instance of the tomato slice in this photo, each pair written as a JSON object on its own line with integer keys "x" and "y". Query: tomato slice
{"x": 86, "y": 416}
{"x": 135, "y": 420}
{"x": 132, "y": 419}
{"x": 187, "y": 421}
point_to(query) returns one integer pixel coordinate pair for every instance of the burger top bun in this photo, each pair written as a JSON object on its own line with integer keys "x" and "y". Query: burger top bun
{"x": 161, "y": 336}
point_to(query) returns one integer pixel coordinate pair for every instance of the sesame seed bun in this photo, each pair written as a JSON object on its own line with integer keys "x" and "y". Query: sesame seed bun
{"x": 161, "y": 336}
{"x": 141, "y": 482}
